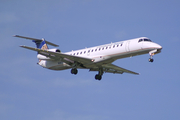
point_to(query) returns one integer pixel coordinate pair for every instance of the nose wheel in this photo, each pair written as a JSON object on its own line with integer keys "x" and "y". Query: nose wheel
{"x": 151, "y": 60}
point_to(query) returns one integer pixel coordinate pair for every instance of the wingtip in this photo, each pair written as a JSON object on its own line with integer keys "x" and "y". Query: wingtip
{"x": 22, "y": 46}
{"x": 15, "y": 35}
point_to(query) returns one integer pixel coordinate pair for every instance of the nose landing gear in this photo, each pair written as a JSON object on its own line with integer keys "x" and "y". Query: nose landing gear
{"x": 151, "y": 53}
{"x": 151, "y": 60}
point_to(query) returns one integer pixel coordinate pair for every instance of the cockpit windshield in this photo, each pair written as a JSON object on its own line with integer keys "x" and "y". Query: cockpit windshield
{"x": 145, "y": 39}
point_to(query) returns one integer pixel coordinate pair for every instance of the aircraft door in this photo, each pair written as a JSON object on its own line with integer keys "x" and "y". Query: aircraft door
{"x": 141, "y": 45}
{"x": 135, "y": 45}
{"x": 127, "y": 46}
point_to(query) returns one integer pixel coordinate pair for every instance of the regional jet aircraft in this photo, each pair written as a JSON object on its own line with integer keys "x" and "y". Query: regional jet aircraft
{"x": 98, "y": 58}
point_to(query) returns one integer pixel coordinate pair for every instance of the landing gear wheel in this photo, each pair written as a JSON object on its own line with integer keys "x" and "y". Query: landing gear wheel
{"x": 151, "y": 60}
{"x": 74, "y": 71}
{"x": 98, "y": 77}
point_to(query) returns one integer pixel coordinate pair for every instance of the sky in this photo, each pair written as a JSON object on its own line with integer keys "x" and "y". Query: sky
{"x": 28, "y": 91}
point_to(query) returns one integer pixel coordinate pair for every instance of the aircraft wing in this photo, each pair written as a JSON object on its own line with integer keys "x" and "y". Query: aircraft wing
{"x": 69, "y": 59}
{"x": 110, "y": 68}
{"x": 63, "y": 57}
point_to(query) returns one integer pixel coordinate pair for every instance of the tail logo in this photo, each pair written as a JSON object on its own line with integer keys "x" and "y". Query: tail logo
{"x": 44, "y": 47}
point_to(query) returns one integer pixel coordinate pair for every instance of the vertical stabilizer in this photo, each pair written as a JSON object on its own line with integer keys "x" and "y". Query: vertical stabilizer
{"x": 41, "y": 44}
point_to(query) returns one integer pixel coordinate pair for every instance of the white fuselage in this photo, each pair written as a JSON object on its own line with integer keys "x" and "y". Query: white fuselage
{"x": 107, "y": 53}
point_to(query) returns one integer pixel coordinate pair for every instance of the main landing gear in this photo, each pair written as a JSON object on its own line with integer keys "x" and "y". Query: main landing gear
{"x": 74, "y": 68}
{"x": 99, "y": 75}
{"x": 74, "y": 71}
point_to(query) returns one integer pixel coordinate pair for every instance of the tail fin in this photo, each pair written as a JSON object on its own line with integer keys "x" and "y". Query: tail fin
{"x": 41, "y": 44}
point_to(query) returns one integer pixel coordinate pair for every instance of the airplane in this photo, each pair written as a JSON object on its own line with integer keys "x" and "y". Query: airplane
{"x": 98, "y": 58}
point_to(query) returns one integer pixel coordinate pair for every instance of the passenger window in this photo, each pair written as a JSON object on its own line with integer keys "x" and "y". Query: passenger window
{"x": 117, "y": 45}
{"x": 84, "y": 52}
{"x": 99, "y": 49}
{"x": 107, "y": 47}
{"x": 81, "y": 53}
{"x": 74, "y": 53}
{"x": 110, "y": 47}
{"x": 95, "y": 49}
{"x": 114, "y": 46}
{"x": 77, "y": 53}
{"x": 92, "y": 50}
{"x": 102, "y": 48}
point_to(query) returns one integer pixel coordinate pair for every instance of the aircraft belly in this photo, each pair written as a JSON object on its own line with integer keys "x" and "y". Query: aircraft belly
{"x": 54, "y": 65}
{"x": 59, "y": 67}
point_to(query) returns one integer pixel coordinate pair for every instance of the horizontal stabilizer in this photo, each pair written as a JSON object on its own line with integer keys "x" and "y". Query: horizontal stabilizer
{"x": 38, "y": 40}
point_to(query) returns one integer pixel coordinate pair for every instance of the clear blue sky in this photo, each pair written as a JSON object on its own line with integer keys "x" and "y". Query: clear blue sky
{"x": 30, "y": 92}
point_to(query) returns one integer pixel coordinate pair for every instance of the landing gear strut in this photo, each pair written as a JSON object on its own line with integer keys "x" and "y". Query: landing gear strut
{"x": 99, "y": 75}
{"x": 151, "y": 59}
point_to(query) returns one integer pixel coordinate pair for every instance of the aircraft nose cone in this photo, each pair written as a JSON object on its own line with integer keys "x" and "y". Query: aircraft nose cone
{"x": 159, "y": 47}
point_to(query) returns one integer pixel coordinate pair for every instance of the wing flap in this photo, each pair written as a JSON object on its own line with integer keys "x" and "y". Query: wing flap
{"x": 110, "y": 68}
{"x": 118, "y": 69}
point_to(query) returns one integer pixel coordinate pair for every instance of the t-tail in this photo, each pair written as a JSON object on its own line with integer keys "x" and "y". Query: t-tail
{"x": 40, "y": 43}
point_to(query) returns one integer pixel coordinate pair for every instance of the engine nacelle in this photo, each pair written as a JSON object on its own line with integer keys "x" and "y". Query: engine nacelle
{"x": 42, "y": 57}
{"x": 54, "y": 50}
